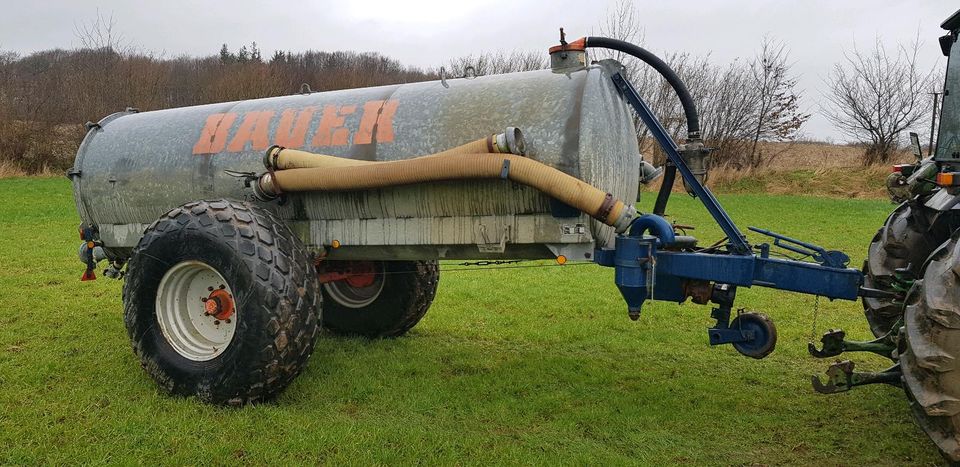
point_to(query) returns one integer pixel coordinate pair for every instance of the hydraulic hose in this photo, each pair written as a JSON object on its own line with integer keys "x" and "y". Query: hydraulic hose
{"x": 328, "y": 174}
{"x": 686, "y": 101}
{"x": 279, "y": 158}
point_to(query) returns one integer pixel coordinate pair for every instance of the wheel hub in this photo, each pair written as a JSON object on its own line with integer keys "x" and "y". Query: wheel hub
{"x": 354, "y": 284}
{"x": 219, "y": 303}
{"x": 196, "y": 311}
{"x": 362, "y": 274}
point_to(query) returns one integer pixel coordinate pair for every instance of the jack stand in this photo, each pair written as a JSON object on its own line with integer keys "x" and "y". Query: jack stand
{"x": 834, "y": 344}
{"x": 841, "y": 378}
{"x": 752, "y": 334}
{"x": 721, "y": 333}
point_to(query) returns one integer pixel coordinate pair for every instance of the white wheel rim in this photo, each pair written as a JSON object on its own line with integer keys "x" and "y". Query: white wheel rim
{"x": 182, "y": 312}
{"x": 356, "y": 297}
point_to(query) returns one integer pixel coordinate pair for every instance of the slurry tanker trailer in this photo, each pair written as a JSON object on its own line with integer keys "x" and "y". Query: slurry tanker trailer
{"x": 242, "y": 228}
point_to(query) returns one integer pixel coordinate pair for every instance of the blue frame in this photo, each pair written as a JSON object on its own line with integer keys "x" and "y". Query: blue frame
{"x": 738, "y": 242}
{"x": 645, "y": 270}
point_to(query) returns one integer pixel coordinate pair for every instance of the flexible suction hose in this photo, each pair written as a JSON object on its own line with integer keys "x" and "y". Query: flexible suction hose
{"x": 686, "y": 101}
{"x": 329, "y": 173}
{"x": 279, "y": 158}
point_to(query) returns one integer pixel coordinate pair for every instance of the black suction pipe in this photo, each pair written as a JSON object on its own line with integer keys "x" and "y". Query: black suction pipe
{"x": 686, "y": 101}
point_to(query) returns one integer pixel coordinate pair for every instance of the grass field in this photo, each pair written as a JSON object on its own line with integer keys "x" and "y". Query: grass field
{"x": 536, "y": 365}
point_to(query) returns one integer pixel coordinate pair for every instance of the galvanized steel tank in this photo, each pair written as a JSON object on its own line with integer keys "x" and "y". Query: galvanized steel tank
{"x": 133, "y": 167}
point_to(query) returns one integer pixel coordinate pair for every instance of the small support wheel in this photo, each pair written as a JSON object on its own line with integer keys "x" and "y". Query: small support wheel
{"x": 764, "y": 334}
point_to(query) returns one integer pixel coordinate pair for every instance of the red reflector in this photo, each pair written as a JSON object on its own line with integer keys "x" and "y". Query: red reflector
{"x": 897, "y": 169}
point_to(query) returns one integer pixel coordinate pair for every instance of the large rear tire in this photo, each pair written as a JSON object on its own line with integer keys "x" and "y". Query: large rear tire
{"x": 378, "y": 298}
{"x": 904, "y": 241}
{"x": 930, "y": 358}
{"x": 221, "y": 302}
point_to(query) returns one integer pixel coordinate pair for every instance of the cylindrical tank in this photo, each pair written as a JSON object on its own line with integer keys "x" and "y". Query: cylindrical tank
{"x": 132, "y": 167}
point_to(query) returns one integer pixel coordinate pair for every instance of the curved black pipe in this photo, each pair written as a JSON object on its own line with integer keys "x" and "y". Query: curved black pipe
{"x": 686, "y": 101}
{"x": 666, "y": 185}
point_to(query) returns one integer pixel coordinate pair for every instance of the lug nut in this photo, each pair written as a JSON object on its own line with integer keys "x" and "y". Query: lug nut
{"x": 227, "y": 320}
{"x": 210, "y": 289}
{"x": 216, "y": 322}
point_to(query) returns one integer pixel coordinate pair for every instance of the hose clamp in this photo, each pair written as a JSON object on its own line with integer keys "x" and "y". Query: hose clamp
{"x": 266, "y": 194}
{"x": 605, "y": 207}
{"x": 505, "y": 170}
{"x": 272, "y": 156}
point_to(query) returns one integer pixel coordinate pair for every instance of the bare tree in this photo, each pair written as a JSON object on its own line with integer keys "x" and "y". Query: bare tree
{"x": 101, "y": 33}
{"x": 723, "y": 95}
{"x": 495, "y": 63}
{"x": 621, "y": 22}
{"x": 874, "y": 96}
{"x": 728, "y": 110}
{"x": 778, "y": 114}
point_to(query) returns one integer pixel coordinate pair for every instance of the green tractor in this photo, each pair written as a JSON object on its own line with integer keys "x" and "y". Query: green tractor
{"x": 915, "y": 259}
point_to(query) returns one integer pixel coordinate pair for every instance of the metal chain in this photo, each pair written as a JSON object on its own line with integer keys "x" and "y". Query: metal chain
{"x": 490, "y": 263}
{"x": 816, "y": 314}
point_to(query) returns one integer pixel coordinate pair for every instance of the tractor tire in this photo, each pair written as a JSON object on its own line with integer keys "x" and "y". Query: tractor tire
{"x": 904, "y": 241}
{"x": 930, "y": 352}
{"x": 394, "y": 299}
{"x": 221, "y": 302}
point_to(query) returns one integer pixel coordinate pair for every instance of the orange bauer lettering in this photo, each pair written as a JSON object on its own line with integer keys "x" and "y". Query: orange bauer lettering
{"x": 293, "y": 126}
{"x": 377, "y": 120}
{"x": 331, "y": 131}
{"x": 213, "y": 137}
{"x": 253, "y": 129}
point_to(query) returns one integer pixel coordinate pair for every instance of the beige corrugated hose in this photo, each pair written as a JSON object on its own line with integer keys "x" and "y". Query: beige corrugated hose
{"x": 278, "y": 158}
{"x": 330, "y": 173}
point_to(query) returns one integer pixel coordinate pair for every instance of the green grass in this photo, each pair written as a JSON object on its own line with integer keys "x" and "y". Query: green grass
{"x": 536, "y": 365}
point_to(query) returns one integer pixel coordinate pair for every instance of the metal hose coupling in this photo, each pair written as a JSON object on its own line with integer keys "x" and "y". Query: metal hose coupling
{"x": 510, "y": 142}
{"x": 697, "y": 158}
{"x": 625, "y": 219}
{"x": 265, "y": 189}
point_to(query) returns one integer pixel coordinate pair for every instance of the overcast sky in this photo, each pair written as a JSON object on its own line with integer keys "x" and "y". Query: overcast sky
{"x": 428, "y": 32}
